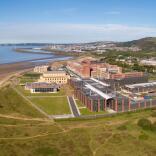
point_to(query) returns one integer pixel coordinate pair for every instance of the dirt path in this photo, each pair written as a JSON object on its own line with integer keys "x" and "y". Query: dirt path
{"x": 37, "y": 136}
{"x": 24, "y": 118}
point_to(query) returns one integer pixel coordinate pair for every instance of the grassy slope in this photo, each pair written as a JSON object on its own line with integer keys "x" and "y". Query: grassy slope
{"x": 112, "y": 136}
{"x": 101, "y": 137}
{"x": 12, "y": 103}
{"x": 54, "y": 105}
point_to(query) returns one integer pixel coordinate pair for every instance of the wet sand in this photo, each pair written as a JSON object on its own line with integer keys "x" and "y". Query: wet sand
{"x": 8, "y": 69}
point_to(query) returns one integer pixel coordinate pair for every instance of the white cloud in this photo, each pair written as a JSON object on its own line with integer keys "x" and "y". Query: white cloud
{"x": 50, "y": 32}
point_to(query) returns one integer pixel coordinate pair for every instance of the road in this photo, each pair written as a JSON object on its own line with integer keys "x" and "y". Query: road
{"x": 73, "y": 106}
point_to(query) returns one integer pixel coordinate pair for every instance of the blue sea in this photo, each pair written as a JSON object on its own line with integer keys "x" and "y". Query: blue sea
{"x": 8, "y": 55}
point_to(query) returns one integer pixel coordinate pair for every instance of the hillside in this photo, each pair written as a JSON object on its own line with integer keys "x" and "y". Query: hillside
{"x": 147, "y": 44}
{"x": 23, "y": 131}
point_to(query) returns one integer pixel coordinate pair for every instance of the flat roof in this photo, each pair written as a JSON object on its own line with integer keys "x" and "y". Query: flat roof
{"x": 55, "y": 71}
{"x": 41, "y": 85}
{"x": 149, "y": 84}
{"x": 100, "y": 82}
{"x": 106, "y": 96}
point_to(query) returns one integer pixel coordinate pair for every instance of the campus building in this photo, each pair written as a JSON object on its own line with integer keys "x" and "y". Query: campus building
{"x": 98, "y": 96}
{"x": 89, "y": 68}
{"x": 41, "y": 69}
{"x": 141, "y": 87}
{"x": 95, "y": 95}
{"x": 42, "y": 87}
{"x": 57, "y": 76}
{"x": 96, "y": 69}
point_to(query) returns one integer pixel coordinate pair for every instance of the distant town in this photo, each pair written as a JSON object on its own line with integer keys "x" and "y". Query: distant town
{"x": 79, "y": 94}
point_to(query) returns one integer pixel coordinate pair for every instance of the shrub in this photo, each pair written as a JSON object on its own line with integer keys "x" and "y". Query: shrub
{"x": 145, "y": 124}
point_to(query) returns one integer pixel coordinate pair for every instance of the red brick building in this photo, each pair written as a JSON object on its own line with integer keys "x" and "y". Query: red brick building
{"x": 89, "y": 68}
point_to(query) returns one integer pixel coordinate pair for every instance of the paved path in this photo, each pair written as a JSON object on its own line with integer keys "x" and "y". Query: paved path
{"x": 73, "y": 105}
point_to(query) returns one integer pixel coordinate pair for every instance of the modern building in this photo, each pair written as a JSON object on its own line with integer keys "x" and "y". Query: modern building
{"x": 99, "y": 96}
{"x": 149, "y": 87}
{"x": 57, "y": 76}
{"x": 42, "y": 87}
{"x": 94, "y": 94}
{"x": 96, "y": 69}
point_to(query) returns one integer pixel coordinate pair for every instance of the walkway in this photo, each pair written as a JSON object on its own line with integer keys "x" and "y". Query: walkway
{"x": 73, "y": 105}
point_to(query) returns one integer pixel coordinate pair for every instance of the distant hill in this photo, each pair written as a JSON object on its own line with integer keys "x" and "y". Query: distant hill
{"x": 147, "y": 44}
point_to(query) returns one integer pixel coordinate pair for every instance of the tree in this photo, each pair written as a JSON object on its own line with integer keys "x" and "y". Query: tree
{"x": 145, "y": 124}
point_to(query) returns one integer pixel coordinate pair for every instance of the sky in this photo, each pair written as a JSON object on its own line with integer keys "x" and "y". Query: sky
{"x": 70, "y": 21}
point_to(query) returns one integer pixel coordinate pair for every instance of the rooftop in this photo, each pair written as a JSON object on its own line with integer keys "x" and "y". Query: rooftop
{"x": 150, "y": 84}
{"x": 41, "y": 85}
{"x": 54, "y": 72}
{"x": 106, "y": 96}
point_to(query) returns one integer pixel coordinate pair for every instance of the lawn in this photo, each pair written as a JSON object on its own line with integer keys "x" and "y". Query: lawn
{"x": 86, "y": 111}
{"x": 79, "y": 103}
{"x": 52, "y": 105}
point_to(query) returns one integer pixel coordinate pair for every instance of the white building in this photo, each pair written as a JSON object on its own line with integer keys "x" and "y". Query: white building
{"x": 41, "y": 69}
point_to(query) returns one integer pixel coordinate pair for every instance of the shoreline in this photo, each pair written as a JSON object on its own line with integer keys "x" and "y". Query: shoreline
{"x": 37, "y": 59}
{"x": 8, "y": 70}
{"x": 30, "y": 50}
{"x": 48, "y": 51}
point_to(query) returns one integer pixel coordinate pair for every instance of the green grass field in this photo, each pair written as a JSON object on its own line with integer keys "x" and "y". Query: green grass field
{"x": 29, "y": 77}
{"x": 12, "y": 103}
{"x": 86, "y": 111}
{"x": 79, "y": 103}
{"x": 52, "y": 105}
{"x": 111, "y": 136}
{"x": 119, "y": 135}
